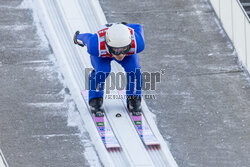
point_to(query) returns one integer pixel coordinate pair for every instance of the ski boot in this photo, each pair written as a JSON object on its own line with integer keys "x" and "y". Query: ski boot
{"x": 134, "y": 105}
{"x": 96, "y": 106}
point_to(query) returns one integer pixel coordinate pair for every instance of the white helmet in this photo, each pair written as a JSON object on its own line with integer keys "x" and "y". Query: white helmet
{"x": 118, "y": 39}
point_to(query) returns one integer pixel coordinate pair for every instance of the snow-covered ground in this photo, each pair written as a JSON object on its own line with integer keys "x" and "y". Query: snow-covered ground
{"x": 74, "y": 118}
{"x": 202, "y": 101}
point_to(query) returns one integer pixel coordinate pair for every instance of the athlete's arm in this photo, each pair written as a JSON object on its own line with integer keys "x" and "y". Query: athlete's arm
{"x": 89, "y": 40}
{"x": 84, "y": 38}
{"x": 139, "y": 36}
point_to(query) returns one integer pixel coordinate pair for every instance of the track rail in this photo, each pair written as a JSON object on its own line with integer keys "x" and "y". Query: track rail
{"x": 60, "y": 19}
{"x": 3, "y": 162}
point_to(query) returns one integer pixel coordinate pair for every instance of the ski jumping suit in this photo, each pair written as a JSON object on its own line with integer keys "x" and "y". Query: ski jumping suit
{"x": 101, "y": 59}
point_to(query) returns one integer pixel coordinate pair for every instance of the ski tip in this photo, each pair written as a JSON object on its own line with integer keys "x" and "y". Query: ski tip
{"x": 154, "y": 147}
{"x": 114, "y": 149}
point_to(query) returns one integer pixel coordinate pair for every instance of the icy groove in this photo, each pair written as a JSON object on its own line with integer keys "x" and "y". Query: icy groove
{"x": 59, "y": 23}
{"x": 77, "y": 60}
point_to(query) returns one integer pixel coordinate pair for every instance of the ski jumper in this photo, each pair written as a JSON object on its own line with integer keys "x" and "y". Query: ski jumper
{"x": 101, "y": 59}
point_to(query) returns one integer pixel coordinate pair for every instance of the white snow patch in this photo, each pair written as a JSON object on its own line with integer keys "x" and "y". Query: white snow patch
{"x": 218, "y": 23}
{"x": 40, "y": 69}
{"x": 3, "y": 162}
{"x": 153, "y": 115}
{"x": 246, "y": 74}
{"x": 55, "y": 135}
{"x": 7, "y": 6}
{"x": 35, "y": 62}
{"x": 210, "y": 54}
{"x": 92, "y": 157}
{"x": 74, "y": 120}
{"x": 15, "y": 27}
{"x": 26, "y": 4}
{"x": 47, "y": 105}
{"x": 174, "y": 56}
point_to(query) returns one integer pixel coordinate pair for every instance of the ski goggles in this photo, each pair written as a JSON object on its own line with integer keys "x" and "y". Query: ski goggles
{"x": 121, "y": 50}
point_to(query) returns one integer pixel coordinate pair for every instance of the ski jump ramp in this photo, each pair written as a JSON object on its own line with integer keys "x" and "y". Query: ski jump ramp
{"x": 60, "y": 19}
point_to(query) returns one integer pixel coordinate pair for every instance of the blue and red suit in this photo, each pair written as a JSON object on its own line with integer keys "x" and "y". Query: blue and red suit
{"x": 101, "y": 59}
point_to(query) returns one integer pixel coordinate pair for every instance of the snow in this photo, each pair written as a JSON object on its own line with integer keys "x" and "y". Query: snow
{"x": 74, "y": 119}
{"x": 47, "y": 105}
{"x": 2, "y": 160}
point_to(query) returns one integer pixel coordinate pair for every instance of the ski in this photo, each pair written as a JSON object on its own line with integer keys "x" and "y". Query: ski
{"x": 103, "y": 127}
{"x": 142, "y": 126}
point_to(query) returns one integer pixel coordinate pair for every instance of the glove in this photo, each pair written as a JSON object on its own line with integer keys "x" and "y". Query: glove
{"x": 108, "y": 25}
{"x": 124, "y": 23}
{"x": 75, "y": 40}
